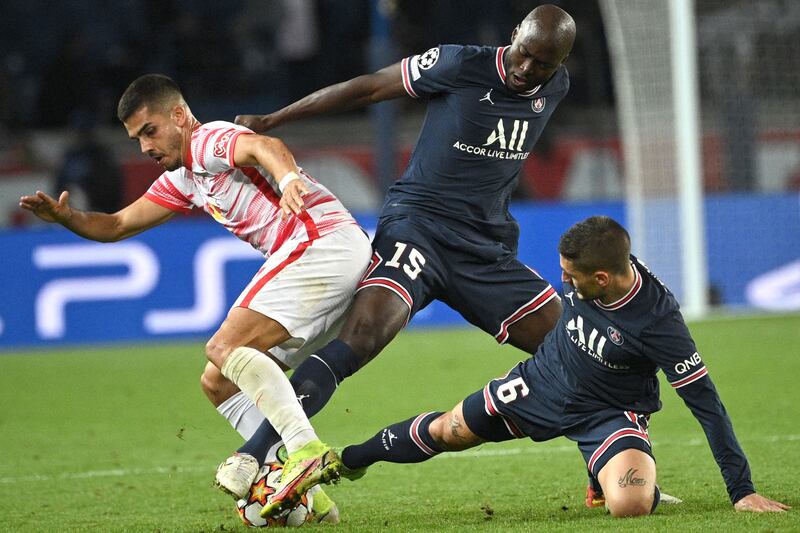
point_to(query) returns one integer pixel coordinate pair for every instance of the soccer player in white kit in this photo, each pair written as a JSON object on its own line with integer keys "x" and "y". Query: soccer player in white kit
{"x": 315, "y": 253}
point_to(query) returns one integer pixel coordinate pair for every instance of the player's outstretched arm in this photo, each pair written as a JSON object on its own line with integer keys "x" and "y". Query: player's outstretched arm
{"x": 757, "y": 503}
{"x": 385, "y": 84}
{"x": 137, "y": 217}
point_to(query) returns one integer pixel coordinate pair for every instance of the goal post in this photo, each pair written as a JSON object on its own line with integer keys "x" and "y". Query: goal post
{"x": 654, "y": 65}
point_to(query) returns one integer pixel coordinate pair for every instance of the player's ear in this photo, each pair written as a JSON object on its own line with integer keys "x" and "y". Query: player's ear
{"x": 514, "y": 33}
{"x": 602, "y": 278}
{"x": 178, "y": 115}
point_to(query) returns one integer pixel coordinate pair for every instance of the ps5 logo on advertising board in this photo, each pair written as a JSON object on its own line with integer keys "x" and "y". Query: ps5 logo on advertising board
{"x": 143, "y": 270}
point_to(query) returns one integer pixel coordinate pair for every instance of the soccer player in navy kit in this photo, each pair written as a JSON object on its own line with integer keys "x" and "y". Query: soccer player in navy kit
{"x": 593, "y": 380}
{"x": 445, "y": 231}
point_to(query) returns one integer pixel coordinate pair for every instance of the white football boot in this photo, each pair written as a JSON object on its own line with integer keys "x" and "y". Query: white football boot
{"x": 236, "y": 474}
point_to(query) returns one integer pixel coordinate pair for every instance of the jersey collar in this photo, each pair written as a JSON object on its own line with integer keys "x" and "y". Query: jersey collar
{"x": 501, "y": 71}
{"x": 187, "y": 159}
{"x": 634, "y": 290}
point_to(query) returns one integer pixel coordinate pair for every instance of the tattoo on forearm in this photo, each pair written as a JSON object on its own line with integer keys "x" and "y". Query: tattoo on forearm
{"x": 455, "y": 425}
{"x": 630, "y": 479}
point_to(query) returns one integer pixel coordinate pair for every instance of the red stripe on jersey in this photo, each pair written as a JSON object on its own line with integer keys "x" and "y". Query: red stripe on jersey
{"x": 491, "y": 409}
{"x": 261, "y": 183}
{"x": 291, "y": 224}
{"x": 388, "y": 284}
{"x": 166, "y": 191}
{"x": 404, "y": 66}
{"x": 163, "y": 202}
{"x": 611, "y": 439}
{"x": 258, "y": 285}
{"x": 489, "y": 404}
{"x": 501, "y": 69}
{"x": 634, "y": 290}
{"x": 534, "y": 305}
{"x": 232, "y": 146}
{"x": 690, "y": 378}
{"x": 512, "y": 427}
{"x": 373, "y": 264}
{"x": 202, "y": 153}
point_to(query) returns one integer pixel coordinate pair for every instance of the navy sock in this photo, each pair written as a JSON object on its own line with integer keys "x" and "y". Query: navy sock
{"x": 314, "y": 381}
{"x": 409, "y": 441}
{"x": 595, "y": 484}
{"x": 340, "y": 358}
{"x": 261, "y": 441}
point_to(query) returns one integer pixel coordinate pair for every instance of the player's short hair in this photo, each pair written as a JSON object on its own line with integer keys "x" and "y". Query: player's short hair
{"x": 154, "y": 90}
{"x": 597, "y": 243}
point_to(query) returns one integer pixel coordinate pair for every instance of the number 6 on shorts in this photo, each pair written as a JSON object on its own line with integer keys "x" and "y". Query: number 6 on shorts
{"x": 507, "y": 392}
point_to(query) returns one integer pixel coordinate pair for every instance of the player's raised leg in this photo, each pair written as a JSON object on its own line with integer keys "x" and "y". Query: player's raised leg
{"x": 629, "y": 483}
{"x": 234, "y": 350}
{"x": 377, "y": 315}
{"x": 413, "y": 440}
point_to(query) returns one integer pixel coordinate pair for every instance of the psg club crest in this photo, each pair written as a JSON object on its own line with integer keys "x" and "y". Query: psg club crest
{"x": 429, "y": 58}
{"x": 615, "y": 335}
{"x": 538, "y": 104}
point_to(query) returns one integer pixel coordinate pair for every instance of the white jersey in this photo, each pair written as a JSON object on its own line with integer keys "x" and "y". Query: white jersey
{"x": 246, "y": 200}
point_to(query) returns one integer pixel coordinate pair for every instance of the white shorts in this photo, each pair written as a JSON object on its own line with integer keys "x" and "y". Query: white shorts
{"x": 308, "y": 289}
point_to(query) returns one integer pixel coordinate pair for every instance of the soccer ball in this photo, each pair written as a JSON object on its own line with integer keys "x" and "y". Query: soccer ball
{"x": 266, "y": 482}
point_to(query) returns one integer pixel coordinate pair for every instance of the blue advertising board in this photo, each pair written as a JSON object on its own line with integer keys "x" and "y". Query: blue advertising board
{"x": 178, "y": 280}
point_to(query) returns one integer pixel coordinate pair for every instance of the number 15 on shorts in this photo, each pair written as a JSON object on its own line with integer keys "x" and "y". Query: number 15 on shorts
{"x": 413, "y": 263}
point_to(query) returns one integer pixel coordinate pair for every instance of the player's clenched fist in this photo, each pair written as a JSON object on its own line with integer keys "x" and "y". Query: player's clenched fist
{"x": 46, "y": 207}
{"x": 257, "y": 123}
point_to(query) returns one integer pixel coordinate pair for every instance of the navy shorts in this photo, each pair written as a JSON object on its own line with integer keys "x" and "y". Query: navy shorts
{"x": 510, "y": 407}
{"x": 422, "y": 260}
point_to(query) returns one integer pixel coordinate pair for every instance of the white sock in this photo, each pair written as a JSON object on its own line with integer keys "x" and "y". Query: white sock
{"x": 245, "y": 418}
{"x": 263, "y": 381}
{"x": 242, "y": 414}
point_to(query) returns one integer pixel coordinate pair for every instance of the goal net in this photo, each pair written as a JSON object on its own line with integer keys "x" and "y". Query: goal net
{"x": 707, "y": 109}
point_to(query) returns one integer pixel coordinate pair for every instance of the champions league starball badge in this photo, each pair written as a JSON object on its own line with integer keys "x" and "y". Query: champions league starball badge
{"x": 429, "y": 58}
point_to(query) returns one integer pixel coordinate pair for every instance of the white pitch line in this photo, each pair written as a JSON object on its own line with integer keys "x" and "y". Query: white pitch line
{"x": 116, "y": 472}
{"x": 492, "y": 452}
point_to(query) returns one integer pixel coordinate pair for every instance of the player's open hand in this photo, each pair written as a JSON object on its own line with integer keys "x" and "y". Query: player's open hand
{"x": 257, "y": 123}
{"x": 757, "y": 503}
{"x": 292, "y": 199}
{"x": 46, "y": 207}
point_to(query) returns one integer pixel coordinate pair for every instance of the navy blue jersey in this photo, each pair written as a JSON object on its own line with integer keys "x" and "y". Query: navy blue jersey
{"x": 474, "y": 140}
{"x": 608, "y": 355}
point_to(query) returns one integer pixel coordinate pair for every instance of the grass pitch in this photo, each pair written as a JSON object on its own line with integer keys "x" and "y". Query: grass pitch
{"x": 122, "y": 439}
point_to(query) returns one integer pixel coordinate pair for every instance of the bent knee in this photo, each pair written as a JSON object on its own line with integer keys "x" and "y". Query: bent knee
{"x": 216, "y": 352}
{"x": 216, "y": 386}
{"x": 629, "y": 506}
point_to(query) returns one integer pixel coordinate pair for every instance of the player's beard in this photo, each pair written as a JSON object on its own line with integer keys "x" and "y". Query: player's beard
{"x": 175, "y": 147}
